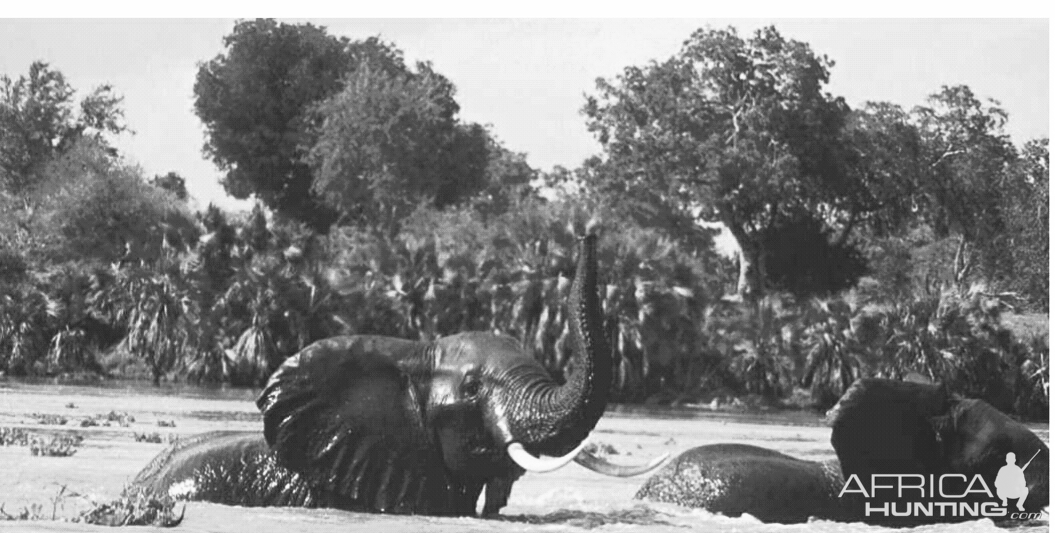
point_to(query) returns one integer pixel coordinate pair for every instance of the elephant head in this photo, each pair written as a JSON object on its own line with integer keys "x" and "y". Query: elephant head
{"x": 884, "y": 427}
{"x": 394, "y": 425}
{"x": 975, "y": 438}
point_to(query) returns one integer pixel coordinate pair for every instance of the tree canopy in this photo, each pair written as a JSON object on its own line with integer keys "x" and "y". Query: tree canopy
{"x": 38, "y": 122}
{"x": 324, "y": 129}
{"x": 390, "y": 141}
{"x": 733, "y": 130}
{"x": 253, "y": 100}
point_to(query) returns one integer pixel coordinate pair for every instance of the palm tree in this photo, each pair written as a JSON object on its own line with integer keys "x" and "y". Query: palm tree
{"x": 834, "y": 352}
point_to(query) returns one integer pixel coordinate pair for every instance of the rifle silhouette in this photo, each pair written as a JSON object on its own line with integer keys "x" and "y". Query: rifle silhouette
{"x": 1030, "y": 460}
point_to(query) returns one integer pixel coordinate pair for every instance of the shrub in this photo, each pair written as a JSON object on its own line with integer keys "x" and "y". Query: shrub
{"x": 136, "y": 506}
{"x": 49, "y": 419}
{"x": 58, "y": 446}
{"x": 10, "y": 436}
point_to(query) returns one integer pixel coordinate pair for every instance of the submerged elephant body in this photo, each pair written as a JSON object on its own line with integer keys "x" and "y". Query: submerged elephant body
{"x": 879, "y": 427}
{"x": 733, "y": 479}
{"x": 233, "y": 468}
{"x": 239, "y": 468}
{"x": 381, "y": 424}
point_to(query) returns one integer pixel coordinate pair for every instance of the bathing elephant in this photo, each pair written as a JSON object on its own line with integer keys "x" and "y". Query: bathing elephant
{"x": 380, "y": 424}
{"x": 733, "y": 479}
{"x": 883, "y": 427}
{"x": 880, "y": 427}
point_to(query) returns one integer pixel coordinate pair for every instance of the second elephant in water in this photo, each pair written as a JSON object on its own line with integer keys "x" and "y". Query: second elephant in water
{"x": 733, "y": 479}
{"x": 914, "y": 433}
{"x": 390, "y": 425}
{"x": 884, "y": 429}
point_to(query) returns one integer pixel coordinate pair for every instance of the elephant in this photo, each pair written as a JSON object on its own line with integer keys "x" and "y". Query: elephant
{"x": 889, "y": 428}
{"x": 908, "y": 433}
{"x": 733, "y": 479}
{"x": 380, "y": 424}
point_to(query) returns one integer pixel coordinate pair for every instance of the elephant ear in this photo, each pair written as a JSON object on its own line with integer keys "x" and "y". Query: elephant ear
{"x": 343, "y": 413}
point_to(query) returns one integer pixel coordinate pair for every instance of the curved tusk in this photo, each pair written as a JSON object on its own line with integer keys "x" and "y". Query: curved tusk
{"x": 602, "y": 466}
{"x": 531, "y": 463}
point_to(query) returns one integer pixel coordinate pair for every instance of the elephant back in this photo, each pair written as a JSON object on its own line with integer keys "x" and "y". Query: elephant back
{"x": 734, "y": 479}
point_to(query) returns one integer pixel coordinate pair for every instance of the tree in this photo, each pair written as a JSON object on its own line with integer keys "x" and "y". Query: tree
{"x": 38, "y": 123}
{"x": 253, "y": 100}
{"x": 173, "y": 183}
{"x": 883, "y": 154}
{"x": 1025, "y": 207}
{"x": 508, "y": 179}
{"x": 730, "y": 130}
{"x": 965, "y": 155}
{"x": 390, "y": 141}
{"x": 92, "y": 207}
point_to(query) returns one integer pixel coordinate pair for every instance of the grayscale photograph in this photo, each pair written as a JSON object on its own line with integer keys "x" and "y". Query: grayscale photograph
{"x": 538, "y": 275}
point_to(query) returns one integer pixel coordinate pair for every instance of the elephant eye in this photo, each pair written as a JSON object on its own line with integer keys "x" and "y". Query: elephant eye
{"x": 471, "y": 386}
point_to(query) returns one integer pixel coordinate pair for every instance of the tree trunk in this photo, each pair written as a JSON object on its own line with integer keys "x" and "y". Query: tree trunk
{"x": 962, "y": 263}
{"x": 750, "y": 285}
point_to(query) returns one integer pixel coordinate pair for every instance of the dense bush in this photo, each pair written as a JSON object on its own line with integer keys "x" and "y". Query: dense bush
{"x": 254, "y": 290}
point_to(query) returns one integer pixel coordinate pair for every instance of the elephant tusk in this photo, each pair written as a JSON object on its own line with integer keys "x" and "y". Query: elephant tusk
{"x": 603, "y": 466}
{"x": 531, "y": 463}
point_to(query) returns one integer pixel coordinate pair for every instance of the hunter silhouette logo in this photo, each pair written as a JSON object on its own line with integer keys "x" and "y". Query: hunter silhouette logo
{"x": 1011, "y": 481}
{"x": 945, "y": 495}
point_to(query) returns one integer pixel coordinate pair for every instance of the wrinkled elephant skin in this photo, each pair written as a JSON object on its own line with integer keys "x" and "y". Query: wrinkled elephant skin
{"x": 734, "y": 479}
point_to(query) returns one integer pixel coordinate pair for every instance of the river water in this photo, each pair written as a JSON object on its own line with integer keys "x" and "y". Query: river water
{"x": 571, "y": 499}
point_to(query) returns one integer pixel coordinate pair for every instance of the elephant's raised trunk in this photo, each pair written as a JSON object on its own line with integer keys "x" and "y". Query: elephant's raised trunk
{"x": 562, "y": 416}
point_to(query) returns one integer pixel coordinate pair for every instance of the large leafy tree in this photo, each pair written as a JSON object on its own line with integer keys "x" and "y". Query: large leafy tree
{"x": 40, "y": 120}
{"x": 934, "y": 182}
{"x": 254, "y": 100}
{"x": 732, "y": 130}
{"x": 965, "y": 156}
{"x": 389, "y": 141}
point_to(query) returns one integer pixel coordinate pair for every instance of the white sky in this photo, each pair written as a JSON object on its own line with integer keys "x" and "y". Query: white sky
{"x": 527, "y": 77}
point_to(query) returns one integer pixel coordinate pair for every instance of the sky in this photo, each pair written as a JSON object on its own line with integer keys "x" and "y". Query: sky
{"x": 527, "y": 78}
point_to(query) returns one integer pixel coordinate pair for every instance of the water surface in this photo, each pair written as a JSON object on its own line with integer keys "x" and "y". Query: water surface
{"x": 571, "y": 499}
